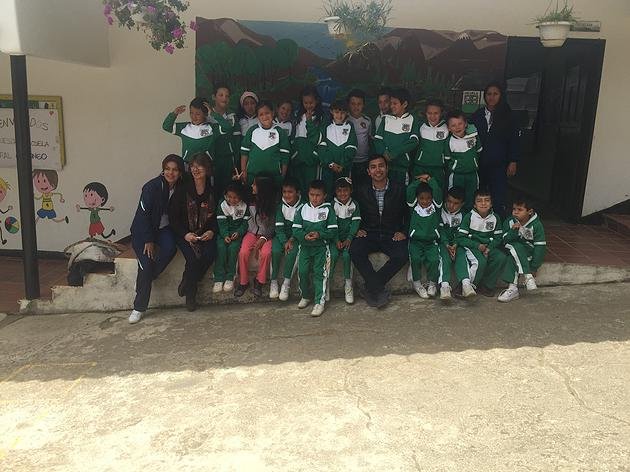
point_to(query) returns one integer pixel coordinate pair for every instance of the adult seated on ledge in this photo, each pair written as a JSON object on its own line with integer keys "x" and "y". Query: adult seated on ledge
{"x": 384, "y": 220}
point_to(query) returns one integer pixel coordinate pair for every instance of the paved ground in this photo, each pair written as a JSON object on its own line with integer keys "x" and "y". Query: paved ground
{"x": 539, "y": 385}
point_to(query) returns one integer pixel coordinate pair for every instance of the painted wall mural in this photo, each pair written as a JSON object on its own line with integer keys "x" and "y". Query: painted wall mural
{"x": 276, "y": 59}
{"x": 11, "y": 223}
{"x": 45, "y": 183}
{"x": 95, "y": 196}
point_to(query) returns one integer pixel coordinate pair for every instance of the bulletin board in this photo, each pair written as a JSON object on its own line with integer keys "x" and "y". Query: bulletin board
{"x": 47, "y": 134}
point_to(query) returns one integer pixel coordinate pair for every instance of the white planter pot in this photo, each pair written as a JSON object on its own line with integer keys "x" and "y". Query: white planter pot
{"x": 334, "y": 27}
{"x": 553, "y": 33}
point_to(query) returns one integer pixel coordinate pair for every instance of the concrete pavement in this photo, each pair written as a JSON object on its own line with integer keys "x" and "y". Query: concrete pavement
{"x": 537, "y": 385}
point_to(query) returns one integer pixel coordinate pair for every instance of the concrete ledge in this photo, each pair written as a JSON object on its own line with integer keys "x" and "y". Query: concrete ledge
{"x": 113, "y": 292}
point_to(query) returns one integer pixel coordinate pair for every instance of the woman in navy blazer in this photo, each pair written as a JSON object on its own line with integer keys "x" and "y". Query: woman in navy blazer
{"x": 500, "y": 138}
{"x": 152, "y": 238}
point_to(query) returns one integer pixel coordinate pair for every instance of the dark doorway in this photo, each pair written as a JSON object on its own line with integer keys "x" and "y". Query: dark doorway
{"x": 554, "y": 91}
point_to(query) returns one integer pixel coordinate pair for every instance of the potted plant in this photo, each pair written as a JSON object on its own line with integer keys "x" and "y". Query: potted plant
{"x": 159, "y": 19}
{"x": 555, "y": 24}
{"x": 359, "y": 21}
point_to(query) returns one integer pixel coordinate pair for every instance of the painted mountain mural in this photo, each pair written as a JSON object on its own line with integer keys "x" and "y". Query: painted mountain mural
{"x": 276, "y": 59}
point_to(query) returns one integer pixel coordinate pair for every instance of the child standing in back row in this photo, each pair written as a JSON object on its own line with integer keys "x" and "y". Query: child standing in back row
{"x": 247, "y": 112}
{"x": 433, "y": 134}
{"x": 363, "y": 129}
{"x": 524, "y": 238}
{"x": 383, "y": 97}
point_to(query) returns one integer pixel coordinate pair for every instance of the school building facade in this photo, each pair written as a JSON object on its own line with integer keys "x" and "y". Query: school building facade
{"x": 116, "y": 91}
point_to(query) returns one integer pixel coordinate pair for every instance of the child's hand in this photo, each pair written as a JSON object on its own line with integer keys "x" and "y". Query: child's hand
{"x": 78, "y": 207}
{"x": 207, "y": 236}
{"x": 208, "y": 107}
{"x": 346, "y": 244}
{"x": 516, "y": 226}
{"x": 61, "y": 199}
{"x": 452, "y": 248}
{"x": 424, "y": 178}
{"x": 340, "y": 245}
{"x": 312, "y": 236}
{"x": 149, "y": 250}
{"x": 190, "y": 237}
{"x": 337, "y": 168}
{"x": 234, "y": 236}
{"x": 180, "y": 109}
{"x": 398, "y": 236}
{"x": 227, "y": 240}
{"x": 288, "y": 246}
{"x": 361, "y": 233}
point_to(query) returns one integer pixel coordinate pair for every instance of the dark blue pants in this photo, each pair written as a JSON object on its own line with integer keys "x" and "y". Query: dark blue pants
{"x": 149, "y": 269}
{"x": 494, "y": 178}
{"x": 361, "y": 248}
{"x": 196, "y": 264}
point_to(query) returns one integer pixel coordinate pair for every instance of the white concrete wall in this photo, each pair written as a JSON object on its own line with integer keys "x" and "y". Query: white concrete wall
{"x": 113, "y": 116}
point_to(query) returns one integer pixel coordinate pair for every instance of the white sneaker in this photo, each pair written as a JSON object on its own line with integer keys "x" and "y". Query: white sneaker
{"x": 432, "y": 289}
{"x": 349, "y": 291}
{"x": 285, "y": 290}
{"x": 509, "y": 294}
{"x": 228, "y": 286}
{"x": 217, "y": 287}
{"x": 135, "y": 316}
{"x": 445, "y": 292}
{"x": 303, "y": 303}
{"x": 273, "y": 289}
{"x": 420, "y": 290}
{"x": 317, "y": 310}
{"x": 530, "y": 282}
{"x": 468, "y": 290}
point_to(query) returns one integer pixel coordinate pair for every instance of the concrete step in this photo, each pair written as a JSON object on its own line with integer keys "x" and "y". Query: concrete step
{"x": 618, "y": 223}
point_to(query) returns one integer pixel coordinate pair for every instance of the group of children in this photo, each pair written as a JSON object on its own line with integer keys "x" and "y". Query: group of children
{"x": 314, "y": 160}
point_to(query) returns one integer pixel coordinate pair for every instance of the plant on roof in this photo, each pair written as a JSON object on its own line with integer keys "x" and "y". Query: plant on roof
{"x": 557, "y": 13}
{"x": 159, "y": 19}
{"x": 363, "y": 19}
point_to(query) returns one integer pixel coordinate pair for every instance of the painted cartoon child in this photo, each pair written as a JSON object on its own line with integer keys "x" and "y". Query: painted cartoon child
{"x": 95, "y": 196}
{"x": 46, "y": 182}
{"x": 4, "y": 188}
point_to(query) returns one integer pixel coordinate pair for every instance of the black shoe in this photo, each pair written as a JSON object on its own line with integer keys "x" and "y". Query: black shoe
{"x": 485, "y": 291}
{"x": 257, "y": 288}
{"x": 240, "y": 290}
{"x": 368, "y": 297}
{"x": 457, "y": 291}
{"x": 181, "y": 288}
{"x": 191, "y": 302}
{"x": 382, "y": 298}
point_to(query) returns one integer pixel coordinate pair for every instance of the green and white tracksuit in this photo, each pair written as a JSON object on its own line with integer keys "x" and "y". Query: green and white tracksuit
{"x": 304, "y": 164}
{"x": 462, "y": 159}
{"x": 227, "y": 157}
{"x": 449, "y": 225}
{"x": 314, "y": 256}
{"x": 285, "y": 215}
{"x": 247, "y": 122}
{"x": 289, "y": 128}
{"x": 430, "y": 158}
{"x": 231, "y": 219}
{"x": 398, "y": 137}
{"x": 527, "y": 247}
{"x": 267, "y": 150}
{"x": 348, "y": 220}
{"x": 196, "y": 139}
{"x": 471, "y": 262}
{"x": 423, "y": 232}
{"x": 338, "y": 146}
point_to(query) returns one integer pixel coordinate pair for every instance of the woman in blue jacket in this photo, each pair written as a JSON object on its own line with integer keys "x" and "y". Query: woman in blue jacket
{"x": 500, "y": 135}
{"x": 152, "y": 238}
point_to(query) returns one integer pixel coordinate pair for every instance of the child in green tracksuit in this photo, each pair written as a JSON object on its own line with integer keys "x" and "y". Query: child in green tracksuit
{"x": 304, "y": 164}
{"x": 315, "y": 228}
{"x": 197, "y": 135}
{"x": 433, "y": 134}
{"x": 451, "y": 217}
{"x": 480, "y": 235}
{"x": 284, "y": 242}
{"x": 424, "y": 197}
{"x": 265, "y": 148}
{"x": 348, "y": 219}
{"x": 461, "y": 151}
{"x": 232, "y": 218}
{"x": 524, "y": 238}
{"x": 337, "y": 148}
{"x": 397, "y": 137}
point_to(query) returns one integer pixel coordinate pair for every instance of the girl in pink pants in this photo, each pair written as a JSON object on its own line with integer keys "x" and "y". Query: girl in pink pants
{"x": 259, "y": 235}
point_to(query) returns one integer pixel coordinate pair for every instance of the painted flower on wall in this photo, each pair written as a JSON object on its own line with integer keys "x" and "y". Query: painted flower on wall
{"x": 159, "y": 19}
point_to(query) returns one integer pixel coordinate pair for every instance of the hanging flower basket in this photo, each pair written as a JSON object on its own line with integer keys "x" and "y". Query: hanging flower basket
{"x": 553, "y": 34}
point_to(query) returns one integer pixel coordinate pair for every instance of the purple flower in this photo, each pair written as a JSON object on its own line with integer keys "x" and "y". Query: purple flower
{"x": 193, "y": 25}
{"x": 107, "y": 10}
{"x": 151, "y": 10}
{"x": 169, "y": 48}
{"x": 110, "y": 20}
{"x": 177, "y": 33}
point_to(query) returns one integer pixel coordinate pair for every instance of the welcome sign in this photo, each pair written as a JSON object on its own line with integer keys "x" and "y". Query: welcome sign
{"x": 46, "y": 125}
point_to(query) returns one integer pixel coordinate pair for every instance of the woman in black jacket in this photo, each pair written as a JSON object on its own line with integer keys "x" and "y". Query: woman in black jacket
{"x": 152, "y": 238}
{"x": 500, "y": 138}
{"x": 192, "y": 212}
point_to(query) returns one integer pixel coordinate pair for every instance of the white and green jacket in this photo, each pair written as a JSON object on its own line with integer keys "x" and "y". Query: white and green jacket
{"x": 285, "y": 215}
{"x": 267, "y": 150}
{"x": 476, "y": 229}
{"x": 196, "y": 139}
{"x": 338, "y": 146}
{"x": 348, "y": 219}
{"x": 321, "y": 219}
{"x": 531, "y": 234}
{"x": 397, "y": 137}
{"x": 462, "y": 154}
{"x": 431, "y": 150}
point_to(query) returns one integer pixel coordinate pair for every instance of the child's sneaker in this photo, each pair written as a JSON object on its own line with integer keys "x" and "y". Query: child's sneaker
{"x": 273, "y": 289}
{"x": 349, "y": 292}
{"x": 467, "y": 289}
{"x": 285, "y": 291}
{"x": 135, "y": 316}
{"x": 509, "y": 294}
{"x": 432, "y": 289}
{"x": 228, "y": 286}
{"x": 530, "y": 282}
{"x": 217, "y": 287}
{"x": 445, "y": 292}
{"x": 303, "y": 303}
{"x": 240, "y": 290}
{"x": 257, "y": 288}
{"x": 420, "y": 290}
{"x": 317, "y": 310}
